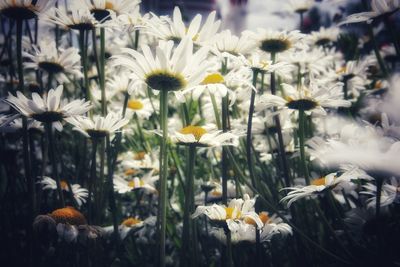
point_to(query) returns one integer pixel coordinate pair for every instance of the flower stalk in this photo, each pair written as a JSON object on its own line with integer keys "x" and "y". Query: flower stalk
{"x": 163, "y": 174}
{"x": 302, "y": 120}
{"x": 54, "y": 163}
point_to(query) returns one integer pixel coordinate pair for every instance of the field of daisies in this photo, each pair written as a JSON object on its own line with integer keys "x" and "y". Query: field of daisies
{"x": 132, "y": 139}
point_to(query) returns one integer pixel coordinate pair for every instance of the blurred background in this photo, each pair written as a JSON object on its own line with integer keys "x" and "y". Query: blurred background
{"x": 238, "y": 15}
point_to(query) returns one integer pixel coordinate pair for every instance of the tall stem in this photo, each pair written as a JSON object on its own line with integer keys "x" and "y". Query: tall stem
{"x": 249, "y": 128}
{"x": 83, "y": 49}
{"x": 376, "y": 51}
{"x": 110, "y": 187}
{"x": 92, "y": 179}
{"x": 216, "y": 111}
{"x": 188, "y": 246}
{"x": 102, "y": 72}
{"x": 379, "y": 183}
{"x": 302, "y": 145}
{"x": 54, "y": 163}
{"x": 163, "y": 174}
{"x": 282, "y": 153}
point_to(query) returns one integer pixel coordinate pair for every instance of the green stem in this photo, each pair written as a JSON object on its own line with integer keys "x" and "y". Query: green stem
{"x": 302, "y": 145}
{"x": 163, "y": 174}
{"x": 54, "y": 163}
{"x": 136, "y": 44}
{"x": 83, "y": 50}
{"x": 376, "y": 51}
{"x": 216, "y": 111}
{"x": 249, "y": 128}
{"x": 110, "y": 187}
{"x": 103, "y": 72}
{"x": 379, "y": 184}
{"x": 188, "y": 246}
{"x": 224, "y": 167}
{"x": 281, "y": 144}
{"x": 92, "y": 179}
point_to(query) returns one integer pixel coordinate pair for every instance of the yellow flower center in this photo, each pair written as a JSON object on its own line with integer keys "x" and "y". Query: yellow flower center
{"x": 229, "y": 213}
{"x": 135, "y": 104}
{"x": 320, "y": 181}
{"x": 342, "y": 70}
{"x": 263, "y": 217}
{"x": 213, "y": 79}
{"x": 216, "y": 193}
{"x": 68, "y": 215}
{"x": 139, "y": 155}
{"x": 129, "y": 172}
{"x": 109, "y": 5}
{"x": 197, "y": 131}
{"x": 132, "y": 184}
{"x": 64, "y": 185}
{"x": 130, "y": 222}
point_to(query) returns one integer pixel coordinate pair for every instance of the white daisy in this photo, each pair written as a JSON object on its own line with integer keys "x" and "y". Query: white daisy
{"x": 176, "y": 30}
{"x": 50, "y": 108}
{"x": 237, "y": 210}
{"x": 140, "y": 161}
{"x": 389, "y": 193}
{"x": 146, "y": 183}
{"x": 311, "y": 100}
{"x": 225, "y": 44}
{"x": 300, "y": 6}
{"x": 79, "y": 193}
{"x": 324, "y": 37}
{"x": 24, "y": 9}
{"x": 98, "y": 126}
{"x": 169, "y": 69}
{"x": 77, "y": 18}
{"x": 378, "y": 8}
{"x": 278, "y": 41}
{"x": 199, "y": 136}
{"x": 58, "y": 62}
{"x": 331, "y": 181}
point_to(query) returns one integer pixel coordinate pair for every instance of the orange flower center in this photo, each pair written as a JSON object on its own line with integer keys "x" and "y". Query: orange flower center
{"x": 320, "y": 181}
{"x": 139, "y": 155}
{"x": 68, "y": 215}
{"x": 130, "y": 222}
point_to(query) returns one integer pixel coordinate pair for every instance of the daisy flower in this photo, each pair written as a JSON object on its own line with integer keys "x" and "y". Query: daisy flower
{"x": 79, "y": 193}
{"x": 389, "y": 193}
{"x": 246, "y": 230}
{"x": 127, "y": 225}
{"x": 169, "y": 69}
{"x": 77, "y": 18}
{"x": 361, "y": 146}
{"x": 300, "y": 6}
{"x": 24, "y": 9}
{"x": 140, "y": 107}
{"x": 225, "y": 44}
{"x": 198, "y": 136}
{"x": 140, "y": 161}
{"x": 237, "y": 210}
{"x": 58, "y": 62}
{"x": 320, "y": 185}
{"x": 146, "y": 183}
{"x": 48, "y": 109}
{"x": 273, "y": 42}
{"x": 324, "y": 37}
{"x": 101, "y": 9}
{"x": 379, "y": 8}
{"x": 176, "y": 30}
{"x": 98, "y": 126}
{"x": 311, "y": 100}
